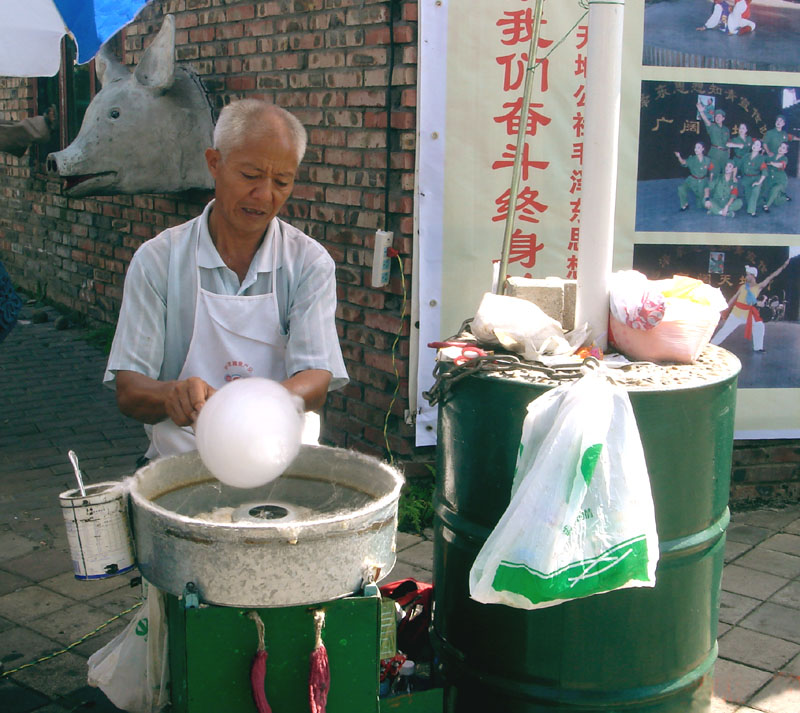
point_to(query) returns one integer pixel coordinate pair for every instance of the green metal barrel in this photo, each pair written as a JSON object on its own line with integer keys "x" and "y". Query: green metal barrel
{"x": 648, "y": 650}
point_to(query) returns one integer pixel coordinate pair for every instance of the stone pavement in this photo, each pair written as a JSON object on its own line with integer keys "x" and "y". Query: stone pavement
{"x": 51, "y": 401}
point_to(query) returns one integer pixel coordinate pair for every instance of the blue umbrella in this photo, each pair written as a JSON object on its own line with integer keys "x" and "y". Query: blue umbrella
{"x": 31, "y": 31}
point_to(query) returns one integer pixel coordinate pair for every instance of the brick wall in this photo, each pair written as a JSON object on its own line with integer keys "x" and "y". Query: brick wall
{"x": 327, "y": 61}
{"x": 765, "y": 471}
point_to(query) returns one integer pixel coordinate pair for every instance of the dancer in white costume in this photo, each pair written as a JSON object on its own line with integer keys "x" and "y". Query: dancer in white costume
{"x": 744, "y": 310}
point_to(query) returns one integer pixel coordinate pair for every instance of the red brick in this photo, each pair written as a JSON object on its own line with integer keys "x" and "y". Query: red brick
{"x": 365, "y": 298}
{"x": 229, "y": 32}
{"x": 343, "y": 196}
{"x": 410, "y": 12}
{"x": 366, "y": 97}
{"x": 343, "y": 157}
{"x": 240, "y": 12}
{"x": 366, "y": 139}
{"x": 367, "y": 375}
{"x": 386, "y": 323}
{"x": 256, "y": 28}
{"x": 202, "y": 34}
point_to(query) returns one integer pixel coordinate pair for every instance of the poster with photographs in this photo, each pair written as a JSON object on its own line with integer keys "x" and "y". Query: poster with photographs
{"x": 710, "y": 154}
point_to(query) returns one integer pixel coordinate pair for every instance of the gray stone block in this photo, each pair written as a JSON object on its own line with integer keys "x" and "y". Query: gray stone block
{"x": 554, "y": 296}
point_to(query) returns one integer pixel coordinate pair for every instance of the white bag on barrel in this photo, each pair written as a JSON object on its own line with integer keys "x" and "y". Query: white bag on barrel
{"x": 132, "y": 669}
{"x": 581, "y": 519}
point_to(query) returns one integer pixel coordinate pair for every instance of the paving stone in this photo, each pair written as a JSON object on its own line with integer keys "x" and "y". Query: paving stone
{"x": 18, "y": 699}
{"x": 734, "y": 607}
{"x": 5, "y": 624}
{"x": 11, "y": 582}
{"x": 88, "y": 700}
{"x": 780, "y": 695}
{"x": 720, "y": 706}
{"x": 793, "y": 527}
{"x": 404, "y": 570}
{"x": 773, "y": 518}
{"x": 747, "y": 534}
{"x": 13, "y": 546}
{"x": 42, "y": 564}
{"x": 99, "y": 640}
{"x": 20, "y": 645}
{"x": 419, "y": 555}
{"x": 757, "y": 650}
{"x": 722, "y": 629}
{"x": 31, "y": 602}
{"x": 71, "y": 624}
{"x": 793, "y": 667}
{"x": 57, "y": 676}
{"x": 82, "y": 589}
{"x": 775, "y": 620}
{"x": 735, "y": 682}
{"x": 750, "y": 582}
{"x": 117, "y": 600}
{"x": 735, "y": 549}
{"x": 789, "y": 596}
{"x": 772, "y": 562}
{"x": 782, "y": 542}
{"x": 406, "y": 540}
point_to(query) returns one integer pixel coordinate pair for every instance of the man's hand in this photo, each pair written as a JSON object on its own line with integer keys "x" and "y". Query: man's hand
{"x": 185, "y": 399}
{"x": 150, "y": 401}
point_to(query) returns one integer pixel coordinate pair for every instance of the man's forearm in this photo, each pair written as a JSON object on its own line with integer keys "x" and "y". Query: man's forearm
{"x": 141, "y": 397}
{"x": 311, "y": 385}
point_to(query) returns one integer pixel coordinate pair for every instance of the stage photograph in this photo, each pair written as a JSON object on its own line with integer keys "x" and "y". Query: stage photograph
{"x": 758, "y": 35}
{"x": 761, "y": 324}
{"x": 718, "y": 158}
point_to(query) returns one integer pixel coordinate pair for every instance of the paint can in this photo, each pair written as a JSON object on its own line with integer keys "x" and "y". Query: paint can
{"x": 98, "y": 530}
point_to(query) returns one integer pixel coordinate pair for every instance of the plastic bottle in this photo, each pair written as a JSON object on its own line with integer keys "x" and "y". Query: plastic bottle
{"x": 403, "y": 682}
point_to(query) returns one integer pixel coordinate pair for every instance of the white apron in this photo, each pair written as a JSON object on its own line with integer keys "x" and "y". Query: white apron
{"x": 234, "y": 337}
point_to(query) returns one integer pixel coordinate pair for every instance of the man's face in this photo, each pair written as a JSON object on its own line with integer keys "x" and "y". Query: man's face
{"x": 253, "y": 181}
{"x": 719, "y": 117}
{"x": 780, "y": 122}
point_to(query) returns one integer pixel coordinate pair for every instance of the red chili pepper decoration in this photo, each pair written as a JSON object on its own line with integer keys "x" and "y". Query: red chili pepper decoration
{"x": 319, "y": 677}
{"x": 258, "y": 669}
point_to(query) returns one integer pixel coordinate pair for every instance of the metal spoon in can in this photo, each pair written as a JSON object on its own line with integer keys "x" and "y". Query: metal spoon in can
{"x": 74, "y": 460}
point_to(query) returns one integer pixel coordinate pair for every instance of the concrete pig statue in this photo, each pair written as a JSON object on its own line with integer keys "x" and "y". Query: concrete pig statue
{"x": 144, "y": 132}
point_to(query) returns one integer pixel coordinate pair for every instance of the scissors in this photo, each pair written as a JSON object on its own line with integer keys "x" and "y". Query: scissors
{"x": 468, "y": 351}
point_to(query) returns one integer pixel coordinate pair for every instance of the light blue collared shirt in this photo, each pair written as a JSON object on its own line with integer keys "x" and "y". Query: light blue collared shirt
{"x": 156, "y": 320}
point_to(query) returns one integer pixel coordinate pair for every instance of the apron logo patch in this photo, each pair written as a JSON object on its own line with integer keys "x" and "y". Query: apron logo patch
{"x": 237, "y": 370}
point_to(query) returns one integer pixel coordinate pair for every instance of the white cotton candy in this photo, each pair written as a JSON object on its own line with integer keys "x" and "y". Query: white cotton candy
{"x": 249, "y": 432}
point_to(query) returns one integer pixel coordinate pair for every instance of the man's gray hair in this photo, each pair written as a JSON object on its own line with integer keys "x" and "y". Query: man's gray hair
{"x": 242, "y": 117}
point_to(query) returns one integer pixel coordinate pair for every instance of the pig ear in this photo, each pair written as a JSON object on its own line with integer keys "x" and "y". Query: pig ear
{"x": 108, "y": 67}
{"x": 156, "y": 68}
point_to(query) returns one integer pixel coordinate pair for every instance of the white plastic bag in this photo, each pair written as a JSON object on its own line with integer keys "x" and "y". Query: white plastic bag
{"x": 581, "y": 518}
{"x": 132, "y": 669}
{"x": 523, "y": 327}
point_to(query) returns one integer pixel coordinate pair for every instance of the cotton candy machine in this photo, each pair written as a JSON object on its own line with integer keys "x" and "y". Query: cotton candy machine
{"x": 316, "y": 533}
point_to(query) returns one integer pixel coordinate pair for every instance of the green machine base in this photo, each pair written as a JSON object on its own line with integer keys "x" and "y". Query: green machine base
{"x": 211, "y": 650}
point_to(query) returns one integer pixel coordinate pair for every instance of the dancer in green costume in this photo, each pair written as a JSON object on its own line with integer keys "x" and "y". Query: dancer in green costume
{"x": 753, "y": 172}
{"x": 699, "y": 166}
{"x": 722, "y": 194}
{"x": 719, "y": 136}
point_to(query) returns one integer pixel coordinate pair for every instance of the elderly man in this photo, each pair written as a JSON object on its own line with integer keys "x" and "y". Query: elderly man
{"x": 233, "y": 293}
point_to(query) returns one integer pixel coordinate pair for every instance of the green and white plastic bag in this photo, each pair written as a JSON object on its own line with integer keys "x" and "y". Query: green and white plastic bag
{"x": 581, "y": 519}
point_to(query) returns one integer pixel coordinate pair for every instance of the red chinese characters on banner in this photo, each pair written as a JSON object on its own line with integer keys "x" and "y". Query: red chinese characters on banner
{"x": 576, "y": 155}
{"x": 516, "y": 30}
